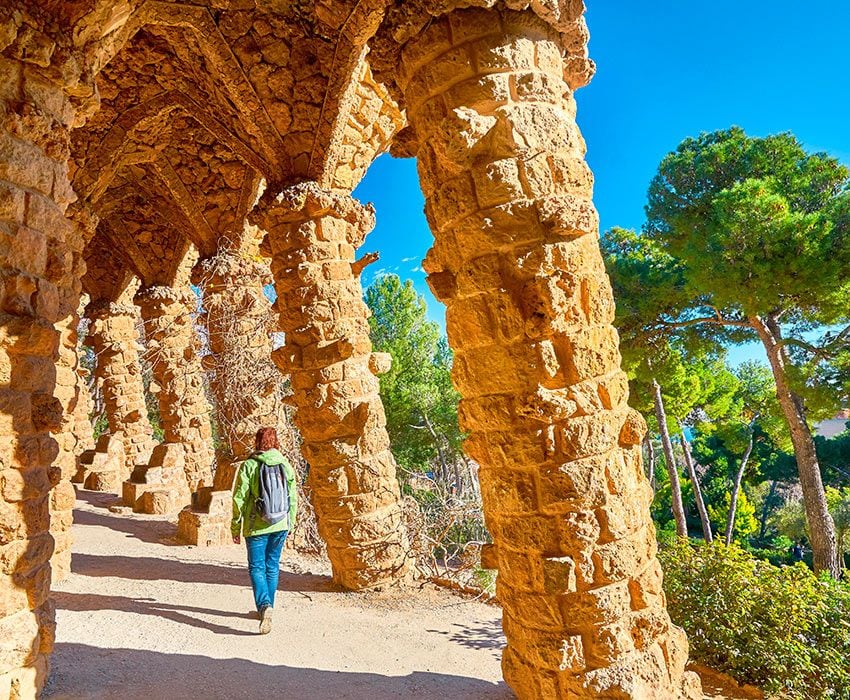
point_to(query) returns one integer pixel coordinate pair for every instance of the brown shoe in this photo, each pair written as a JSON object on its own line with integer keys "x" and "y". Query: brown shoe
{"x": 266, "y": 620}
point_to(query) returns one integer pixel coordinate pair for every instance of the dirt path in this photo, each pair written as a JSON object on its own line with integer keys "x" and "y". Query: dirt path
{"x": 142, "y": 618}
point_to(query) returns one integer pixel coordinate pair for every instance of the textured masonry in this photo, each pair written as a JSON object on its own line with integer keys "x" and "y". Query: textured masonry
{"x": 313, "y": 234}
{"x": 172, "y": 344}
{"x": 114, "y": 337}
{"x": 39, "y": 293}
{"x": 73, "y": 437}
{"x": 238, "y": 320}
{"x": 529, "y": 312}
{"x": 179, "y": 112}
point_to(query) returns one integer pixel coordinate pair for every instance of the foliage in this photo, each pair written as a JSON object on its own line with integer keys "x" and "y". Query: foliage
{"x": 746, "y": 523}
{"x": 838, "y": 501}
{"x": 790, "y": 521}
{"x": 442, "y": 505}
{"x": 781, "y": 628}
{"x": 834, "y": 458}
{"x": 757, "y": 227}
{"x": 417, "y": 393}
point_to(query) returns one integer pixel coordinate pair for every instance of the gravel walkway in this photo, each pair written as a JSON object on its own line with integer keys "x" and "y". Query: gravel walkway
{"x": 141, "y": 617}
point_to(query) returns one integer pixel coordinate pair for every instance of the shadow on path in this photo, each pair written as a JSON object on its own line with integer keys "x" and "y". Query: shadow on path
{"x": 94, "y": 673}
{"x": 481, "y": 635}
{"x": 84, "y": 602}
{"x": 155, "y": 569}
{"x": 153, "y": 531}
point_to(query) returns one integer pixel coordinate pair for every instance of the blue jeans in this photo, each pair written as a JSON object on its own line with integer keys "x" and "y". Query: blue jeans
{"x": 264, "y": 565}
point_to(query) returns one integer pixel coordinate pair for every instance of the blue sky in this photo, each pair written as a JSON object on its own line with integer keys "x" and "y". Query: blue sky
{"x": 665, "y": 70}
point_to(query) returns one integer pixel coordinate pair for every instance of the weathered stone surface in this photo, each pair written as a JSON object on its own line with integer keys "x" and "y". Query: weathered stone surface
{"x": 42, "y": 266}
{"x": 159, "y": 487}
{"x": 115, "y": 339}
{"x": 515, "y": 258}
{"x": 197, "y": 106}
{"x": 168, "y": 314}
{"x": 312, "y": 234}
{"x": 103, "y": 468}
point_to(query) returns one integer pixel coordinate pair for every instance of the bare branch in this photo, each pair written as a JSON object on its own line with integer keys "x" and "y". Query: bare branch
{"x": 709, "y": 320}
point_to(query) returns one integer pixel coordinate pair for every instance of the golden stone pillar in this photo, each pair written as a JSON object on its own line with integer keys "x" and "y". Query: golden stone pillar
{"x": 529, "y": 311}
{"x": 114, "y": 337}
{"x": 40, "y": 259}
{"x": 74, "y": 435}
{"x": 239, "y": 322}
{"x": 313, "y": 234}
{"x": 172, "y": 344}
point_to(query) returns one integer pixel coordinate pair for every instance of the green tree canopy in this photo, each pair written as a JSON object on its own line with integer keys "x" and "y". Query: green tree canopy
{"x": 418, "y": 396}
{"x": 749, "y": 238}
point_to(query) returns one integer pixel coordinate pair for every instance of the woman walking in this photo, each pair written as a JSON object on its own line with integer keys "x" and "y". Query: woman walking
{"x": 265, "y": 501}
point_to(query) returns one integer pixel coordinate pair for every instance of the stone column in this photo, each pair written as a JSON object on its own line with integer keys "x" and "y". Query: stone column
{"x": 75, "y": 434}
{"x": 239, "y": 321}
{"x": 114, "y": 337}
{"x": 245, "y": 383}
{"x": 40, "y": 288}
{"x": 529, "y": 312}
{"x": 172, "y": 346}
{"x": 313, "y": 235}
{"x": 73, "y": 437}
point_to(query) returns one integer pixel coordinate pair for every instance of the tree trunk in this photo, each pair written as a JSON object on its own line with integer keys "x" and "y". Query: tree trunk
{"x": 675, "y": 486}
{"x": 736, "y": 487}
{"x": 692, "y": 474}
{"x": 472, "y": 476}
{"x": 821, "y": 527}
{"x": 766, "y": 508}
{"x": 458, "y": 479}
{"x": 444, "y": 467}
{"x": 650, "y": 460}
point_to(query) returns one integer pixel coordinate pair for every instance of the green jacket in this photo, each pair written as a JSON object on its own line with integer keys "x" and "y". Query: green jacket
{"x": 246, "y": 520}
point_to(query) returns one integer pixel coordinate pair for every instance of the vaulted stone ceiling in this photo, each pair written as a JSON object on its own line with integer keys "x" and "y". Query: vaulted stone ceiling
{"x": 201, "y": 102}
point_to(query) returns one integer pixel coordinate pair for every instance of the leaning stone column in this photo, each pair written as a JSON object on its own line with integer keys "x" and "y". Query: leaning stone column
{"x": 172, "y": 344}
{"x": 313, "y": 235}
{"x": 115, "y": 339}
{"x": 73, "y": 437}
{"x": 239, "y": 321}
{"x": 40, "y": 274}
{"x": 529, "y": 312}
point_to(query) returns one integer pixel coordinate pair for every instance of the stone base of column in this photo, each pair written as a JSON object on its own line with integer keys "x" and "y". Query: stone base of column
{"x": 102, "y": 469}
{"x": 206, "y": 523}
{"x": 159, "y": 487}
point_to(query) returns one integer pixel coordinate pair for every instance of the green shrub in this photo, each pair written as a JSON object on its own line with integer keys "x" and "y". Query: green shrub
{"x": 778, "y": 627}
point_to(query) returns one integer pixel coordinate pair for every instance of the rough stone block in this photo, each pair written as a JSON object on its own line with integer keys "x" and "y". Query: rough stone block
{"x": 161, "y": 501}
{"x": 559, "y": 575}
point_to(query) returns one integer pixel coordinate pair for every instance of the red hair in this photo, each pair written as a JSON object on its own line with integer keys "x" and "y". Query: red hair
{"x": 267, "y": 440}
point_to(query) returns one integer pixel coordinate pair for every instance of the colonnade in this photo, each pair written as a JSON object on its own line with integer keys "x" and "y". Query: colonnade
{"x": 489, "y": 100}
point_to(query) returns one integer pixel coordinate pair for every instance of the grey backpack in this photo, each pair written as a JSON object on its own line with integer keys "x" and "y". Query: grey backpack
{"x": 273, "y": 500}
